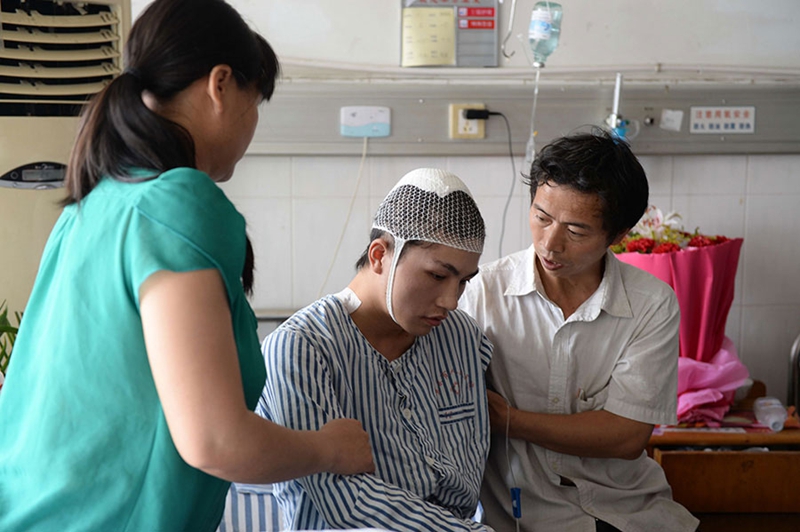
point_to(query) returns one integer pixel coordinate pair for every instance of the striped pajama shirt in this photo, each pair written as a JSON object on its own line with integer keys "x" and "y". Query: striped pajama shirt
{"x": 426, "y": 414}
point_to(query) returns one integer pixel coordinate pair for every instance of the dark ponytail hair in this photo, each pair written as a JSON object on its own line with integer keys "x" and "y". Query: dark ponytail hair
{"x": 172, "y": 44}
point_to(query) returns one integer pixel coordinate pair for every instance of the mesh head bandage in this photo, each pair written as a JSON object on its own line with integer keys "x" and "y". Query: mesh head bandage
{"x": 429, "y": 205}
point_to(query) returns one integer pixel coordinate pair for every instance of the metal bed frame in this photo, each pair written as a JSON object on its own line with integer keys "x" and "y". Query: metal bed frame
{"x": 794, "y": 374}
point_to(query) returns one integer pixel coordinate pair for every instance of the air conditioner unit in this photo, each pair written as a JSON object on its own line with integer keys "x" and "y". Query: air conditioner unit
{"x": 53, "y": 57}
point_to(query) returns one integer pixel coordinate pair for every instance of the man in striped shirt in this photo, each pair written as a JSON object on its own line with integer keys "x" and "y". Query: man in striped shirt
{"x": 392, "y": 351}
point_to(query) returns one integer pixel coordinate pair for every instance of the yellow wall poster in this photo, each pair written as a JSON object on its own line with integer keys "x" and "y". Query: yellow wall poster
{"x": 429, "y": 37}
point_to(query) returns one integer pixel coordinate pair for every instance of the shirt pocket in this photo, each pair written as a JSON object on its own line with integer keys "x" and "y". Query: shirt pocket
{"x": 450, "y": 415}
{"x": 461, "y": 442}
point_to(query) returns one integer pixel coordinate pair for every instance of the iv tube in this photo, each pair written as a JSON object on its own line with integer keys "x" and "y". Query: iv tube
{"x": 530, "y": 151}
{"x": 530, "y": 148}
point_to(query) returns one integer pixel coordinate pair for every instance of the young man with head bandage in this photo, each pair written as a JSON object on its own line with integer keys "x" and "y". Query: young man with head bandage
{"x": 392, "y": 351}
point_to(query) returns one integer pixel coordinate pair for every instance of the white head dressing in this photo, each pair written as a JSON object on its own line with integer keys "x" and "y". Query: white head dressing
{"x": 430, "y": 205}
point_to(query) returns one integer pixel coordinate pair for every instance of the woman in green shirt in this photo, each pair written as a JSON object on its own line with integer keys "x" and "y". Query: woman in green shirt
{"x": 128, "y": 403}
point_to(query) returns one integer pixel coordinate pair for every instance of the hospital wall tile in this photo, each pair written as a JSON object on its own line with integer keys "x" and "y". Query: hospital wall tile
{"x": 767, "y": 336}
{"x": 713, "y": 214}
{"x": 662, "y": 201}
{"x": 772, "y": 250}
{"x": 269, "y": 226}
{"x": 328, "y": 177}
{"x": 488, "y": 176}
{"x": 317, "y": 226}
{"x": 261, "y": 176}
{"x": 773, "y": 174}
{"x": 492, "y": 208}
{"x": 659, "y": 173}
{"x": 709, "y": 174}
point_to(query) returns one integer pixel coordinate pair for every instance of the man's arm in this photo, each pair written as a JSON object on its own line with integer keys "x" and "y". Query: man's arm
{"x": 300, "y": 394}
{"x": 594, "y": 434}
{"x": 638, "y": 388}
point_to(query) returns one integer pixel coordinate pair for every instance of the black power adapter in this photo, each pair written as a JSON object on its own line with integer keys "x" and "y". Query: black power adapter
{"x": 477, "y": 114}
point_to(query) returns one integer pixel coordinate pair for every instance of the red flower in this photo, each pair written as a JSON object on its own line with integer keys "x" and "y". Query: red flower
{"x": 666, "y": 247}
{"x": 700, "y": 241}
{"x": 656, "y": 233}
{"x": 641, "y": 245}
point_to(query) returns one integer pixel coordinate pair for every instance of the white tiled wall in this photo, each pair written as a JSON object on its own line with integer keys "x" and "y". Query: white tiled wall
{"x": 296, "y": 208}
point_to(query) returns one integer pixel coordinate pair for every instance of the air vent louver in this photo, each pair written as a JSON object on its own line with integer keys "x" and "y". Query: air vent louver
{"x": 55, "y": 55}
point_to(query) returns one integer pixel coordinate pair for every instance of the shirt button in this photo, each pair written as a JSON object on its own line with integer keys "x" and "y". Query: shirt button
{"x": 407, "y": 414}
{"x": 430, "y": 461}
{"x": 555, "y": 400}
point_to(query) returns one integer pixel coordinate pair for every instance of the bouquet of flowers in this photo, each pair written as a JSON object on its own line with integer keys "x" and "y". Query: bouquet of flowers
{"x": 702, "y": 270}
{"x": 656, "y": 233}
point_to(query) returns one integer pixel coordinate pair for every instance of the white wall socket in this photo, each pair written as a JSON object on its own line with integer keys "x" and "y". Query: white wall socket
{"x": 460, "y": 127}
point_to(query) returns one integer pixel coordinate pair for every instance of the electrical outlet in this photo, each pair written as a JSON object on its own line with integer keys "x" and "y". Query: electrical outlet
{"x": 460, "y": 127}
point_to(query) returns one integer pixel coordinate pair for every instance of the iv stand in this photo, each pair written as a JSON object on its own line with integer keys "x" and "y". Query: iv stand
{"x": 614, "y": 120}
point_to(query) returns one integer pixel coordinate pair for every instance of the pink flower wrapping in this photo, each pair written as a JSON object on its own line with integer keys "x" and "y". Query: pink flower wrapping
{"x": 703, "y": 279}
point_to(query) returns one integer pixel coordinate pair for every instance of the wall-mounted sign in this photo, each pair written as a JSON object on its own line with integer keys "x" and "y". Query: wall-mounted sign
{"x": 724, "y": 119}
{"x": 460, "y": 33}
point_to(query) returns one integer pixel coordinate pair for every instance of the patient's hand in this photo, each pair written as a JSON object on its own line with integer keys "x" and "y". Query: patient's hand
{"x": 498, "y": 412}
{"x": 348, "y": 445}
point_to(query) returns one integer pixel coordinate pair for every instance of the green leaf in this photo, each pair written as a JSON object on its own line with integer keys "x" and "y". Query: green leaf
{"x": 8, "y": 335}
{"x": 8, "y": 329}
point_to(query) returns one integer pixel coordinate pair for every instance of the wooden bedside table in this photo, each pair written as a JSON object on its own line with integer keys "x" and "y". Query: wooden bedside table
{"x": 761, "y": 487}
{"x": 732, "y": 479}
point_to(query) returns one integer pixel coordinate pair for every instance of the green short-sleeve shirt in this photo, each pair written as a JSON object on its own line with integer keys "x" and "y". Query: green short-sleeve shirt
{"x": 83, "y": 440}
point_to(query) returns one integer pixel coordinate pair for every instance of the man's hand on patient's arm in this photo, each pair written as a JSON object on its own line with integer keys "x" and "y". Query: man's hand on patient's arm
{"x": 593, "y": 434}
{"x": 498, "y": 412}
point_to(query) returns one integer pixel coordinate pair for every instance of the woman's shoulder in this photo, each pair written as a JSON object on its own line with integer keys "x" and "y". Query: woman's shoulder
{"x": 183, "y": 183}
{"x": 186, "y": 194}
{"x": 184, "y": 174}
{"x": 185, "y": 203}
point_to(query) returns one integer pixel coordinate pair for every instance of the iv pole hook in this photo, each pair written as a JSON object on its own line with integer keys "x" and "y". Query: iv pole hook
{"x": 510, "y": 28}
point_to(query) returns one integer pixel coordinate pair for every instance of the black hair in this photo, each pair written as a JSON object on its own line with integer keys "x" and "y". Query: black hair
{"x": 375, "y": 234}
{"x": 596, "y": 163}
{"x": 172, "y": 44}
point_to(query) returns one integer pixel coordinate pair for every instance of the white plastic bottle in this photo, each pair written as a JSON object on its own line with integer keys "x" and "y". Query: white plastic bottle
{"x": 544, "y": 30}
{"x": 770, "y": 412}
